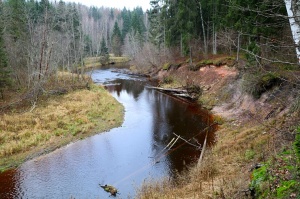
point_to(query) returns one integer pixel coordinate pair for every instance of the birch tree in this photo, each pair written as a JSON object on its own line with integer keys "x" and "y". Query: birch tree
{"x": 293, "y": 10}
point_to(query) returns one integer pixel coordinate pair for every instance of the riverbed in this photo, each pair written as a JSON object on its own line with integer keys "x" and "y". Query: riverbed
{"x": 124, "y": 157}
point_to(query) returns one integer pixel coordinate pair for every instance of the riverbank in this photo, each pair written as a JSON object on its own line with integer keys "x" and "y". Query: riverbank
{"x": 94, "y": 62}
{"x": 54, "y": 121}
{"x": 260, "y": 117}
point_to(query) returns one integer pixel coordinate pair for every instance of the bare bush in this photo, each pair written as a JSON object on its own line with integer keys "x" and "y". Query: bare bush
{"x": 148, "y": 56}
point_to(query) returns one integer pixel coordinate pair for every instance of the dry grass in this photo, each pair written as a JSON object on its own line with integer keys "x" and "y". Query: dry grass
{"x": 118, "y": 59}
{"x": 56, "y": 121}
{"x": 94, "y": 62}
{"x": 223, "y": 173}
{"x": 241, "y": 142}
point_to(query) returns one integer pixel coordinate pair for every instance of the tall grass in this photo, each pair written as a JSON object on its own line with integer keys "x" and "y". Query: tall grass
{"x": 57, "y": 121}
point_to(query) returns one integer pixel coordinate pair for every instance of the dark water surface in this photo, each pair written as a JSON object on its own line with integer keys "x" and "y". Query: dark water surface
{"x": 124, "y": 156}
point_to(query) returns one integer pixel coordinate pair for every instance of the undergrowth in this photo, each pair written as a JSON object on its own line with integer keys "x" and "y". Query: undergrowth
{"x": 279, "y": 177}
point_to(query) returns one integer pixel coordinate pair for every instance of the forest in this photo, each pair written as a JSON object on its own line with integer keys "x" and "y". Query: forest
{"x": 249, "y": 52}
{"x": 39, "y": 38}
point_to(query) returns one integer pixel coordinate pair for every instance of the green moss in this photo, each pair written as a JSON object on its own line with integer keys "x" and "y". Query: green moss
{"x": 286, "y": 188}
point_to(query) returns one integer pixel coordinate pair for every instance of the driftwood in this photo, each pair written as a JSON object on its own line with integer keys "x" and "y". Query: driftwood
{"x": 176, "y": 92}
{"x": 109, "y": 188}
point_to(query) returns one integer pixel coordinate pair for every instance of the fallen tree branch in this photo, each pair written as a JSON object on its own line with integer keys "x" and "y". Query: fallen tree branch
{"x": 176, "y": 92}
{"x": 198, "y": 147}
{"x": 168, "y": 89}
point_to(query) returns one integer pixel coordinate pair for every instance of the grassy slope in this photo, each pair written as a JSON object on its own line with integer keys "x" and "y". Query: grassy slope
{"x": 245, "y": 139}
{"x": 56, "y": 121}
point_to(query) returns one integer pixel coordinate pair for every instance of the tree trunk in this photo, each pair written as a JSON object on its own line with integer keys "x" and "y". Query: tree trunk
{"x": 214, "y": 40}
{"x": 203, "y": 29}
{"x": 293, "y": 14}
{"x": 238, "y": 47}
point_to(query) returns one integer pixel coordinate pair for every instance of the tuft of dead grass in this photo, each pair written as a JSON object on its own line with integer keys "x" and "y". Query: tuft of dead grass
{"x": 56, "y": 121}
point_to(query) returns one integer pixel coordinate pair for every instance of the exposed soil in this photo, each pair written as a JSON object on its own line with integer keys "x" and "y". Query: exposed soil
{"x": 253, "y": 130}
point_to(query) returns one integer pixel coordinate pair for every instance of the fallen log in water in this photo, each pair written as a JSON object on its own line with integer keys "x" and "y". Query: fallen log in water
{"x": 175, "y": 91}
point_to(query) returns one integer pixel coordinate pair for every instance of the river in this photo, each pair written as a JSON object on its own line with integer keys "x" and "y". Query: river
{"x": 124, "y": 157}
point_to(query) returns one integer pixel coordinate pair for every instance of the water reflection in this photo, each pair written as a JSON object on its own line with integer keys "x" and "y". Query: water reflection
{"x": 124, "y": 156}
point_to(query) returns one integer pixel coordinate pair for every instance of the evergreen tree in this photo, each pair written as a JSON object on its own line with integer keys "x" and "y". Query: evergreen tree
{"x": 126, "y": 16}
{"x": 257, "y": 21}
{"x": 137, "y": 23}
{"x": 104, "y": 49}
{"x": 17, "y": 23}
{"x": 104, "y": 56}
{"x": 116, "y": 40}
{"x": 4, "y": 74}
{"x": 94, "y": 13}
{"x": 156, "y": 31}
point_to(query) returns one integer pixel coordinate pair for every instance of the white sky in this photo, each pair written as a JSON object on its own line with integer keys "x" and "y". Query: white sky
{"x": 129, "y": 4}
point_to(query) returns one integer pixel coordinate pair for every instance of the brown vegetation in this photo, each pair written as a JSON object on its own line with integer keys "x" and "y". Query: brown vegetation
{"x": 254, "y": 130}
{"x": 55, "y": 120}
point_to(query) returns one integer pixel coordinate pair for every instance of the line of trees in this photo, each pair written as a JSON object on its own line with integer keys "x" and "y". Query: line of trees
{"x": 37, "y": 38}
{"x": 259, "y": 28}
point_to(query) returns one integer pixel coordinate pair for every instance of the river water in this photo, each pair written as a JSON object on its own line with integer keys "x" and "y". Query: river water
{"x": 124, "y": 157}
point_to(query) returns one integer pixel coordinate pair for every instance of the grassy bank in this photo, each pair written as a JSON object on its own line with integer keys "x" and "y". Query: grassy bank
{"x": 258, "y": 127}
{"x": 94, "y": 62}
{"x": 56, "y": 121}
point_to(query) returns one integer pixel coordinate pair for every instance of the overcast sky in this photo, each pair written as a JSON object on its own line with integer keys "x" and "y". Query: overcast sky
{"x": 129, "y": 4}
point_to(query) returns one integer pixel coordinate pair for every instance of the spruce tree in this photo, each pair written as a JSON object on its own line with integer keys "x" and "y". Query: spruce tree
{"x": 104, "y": 56}
{"x": 4, "y": 74}
{"x": 126, "y": 16}
{"x": 156, "y": 31}
{"x": 116, "y": 40}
